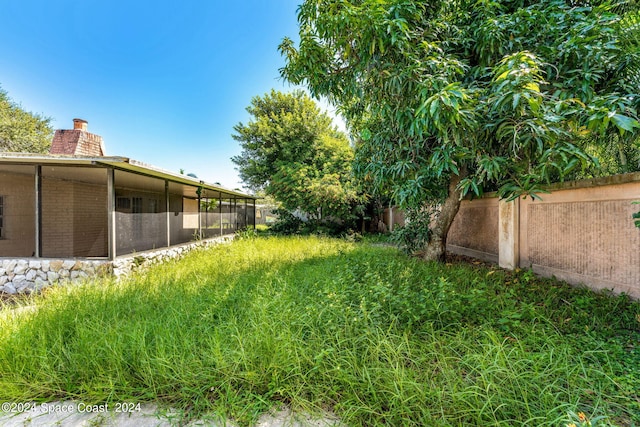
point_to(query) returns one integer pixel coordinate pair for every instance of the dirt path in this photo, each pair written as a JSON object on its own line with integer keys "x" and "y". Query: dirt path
{"x": 75, "y": 414}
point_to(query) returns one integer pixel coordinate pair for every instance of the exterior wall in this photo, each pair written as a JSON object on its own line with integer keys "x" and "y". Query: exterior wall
{"x": 74, "y": 224}
{"x": 393, "y": 217}
{"x": 18, "y": 214}
{"x": 74, "y": 219}
{"x": 190, "y": 217}
{"x": 184, "y": 223}
{"x": 584, "y": 235}
{"x": 124, "y": 266}
{"x": 474, "y": 231}
{"x": 582, "y": 232}
{"x": 264, "y": 215}
{"x": 32, "y": 275}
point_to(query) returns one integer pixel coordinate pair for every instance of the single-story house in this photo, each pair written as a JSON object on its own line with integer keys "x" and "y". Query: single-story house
{"x": 78, "y": 204}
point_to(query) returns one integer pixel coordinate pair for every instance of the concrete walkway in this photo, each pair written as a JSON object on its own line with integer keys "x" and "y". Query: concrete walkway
{"x": 77, "y": 414}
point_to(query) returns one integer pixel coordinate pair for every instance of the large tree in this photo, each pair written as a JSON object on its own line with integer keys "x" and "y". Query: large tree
{"x": 22, "y": 131}
{"x": 458, "y": 96}
{"x": 292, "y": 152}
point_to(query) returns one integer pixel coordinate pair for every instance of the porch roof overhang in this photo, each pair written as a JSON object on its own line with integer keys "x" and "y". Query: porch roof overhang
{"x": 124, "y": 164}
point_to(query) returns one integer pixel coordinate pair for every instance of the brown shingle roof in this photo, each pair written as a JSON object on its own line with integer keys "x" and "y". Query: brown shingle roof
{"x": 76, "y": 142}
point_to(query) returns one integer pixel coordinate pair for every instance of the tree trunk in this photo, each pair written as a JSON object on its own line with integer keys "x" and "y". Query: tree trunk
{"x": 437, "y": 246}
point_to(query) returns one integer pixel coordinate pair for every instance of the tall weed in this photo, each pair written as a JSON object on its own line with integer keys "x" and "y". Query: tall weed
{"x": 380, "y": 338}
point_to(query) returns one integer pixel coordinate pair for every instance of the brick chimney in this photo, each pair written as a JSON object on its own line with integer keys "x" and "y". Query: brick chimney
{"x": 77, "y": 141}
{"x": 80, "y": 124}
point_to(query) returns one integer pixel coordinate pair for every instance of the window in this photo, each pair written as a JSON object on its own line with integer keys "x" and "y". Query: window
{"x": 153, "y": 206}
{"x": 123, "y": 203}
{"x": 136, "y": 205}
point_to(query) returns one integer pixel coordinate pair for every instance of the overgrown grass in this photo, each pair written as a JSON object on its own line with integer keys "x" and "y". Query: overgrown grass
{"x": 377, "y": 337}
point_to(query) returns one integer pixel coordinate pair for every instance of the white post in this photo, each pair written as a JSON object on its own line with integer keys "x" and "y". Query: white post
{"x": 509, "y": 234}
{"x": 111, "y": 214}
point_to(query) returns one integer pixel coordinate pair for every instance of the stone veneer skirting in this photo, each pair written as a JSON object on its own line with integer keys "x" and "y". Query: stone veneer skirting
{"x": 26, "y": 275}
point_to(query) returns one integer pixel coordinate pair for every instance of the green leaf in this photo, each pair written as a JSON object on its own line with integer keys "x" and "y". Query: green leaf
{"x": 433, "y": 107}
{"x": 624, "y": 122}
{"x": 516, "y": 100}
{"x": 503, "y": 75}
{"x": 532, "y": 86}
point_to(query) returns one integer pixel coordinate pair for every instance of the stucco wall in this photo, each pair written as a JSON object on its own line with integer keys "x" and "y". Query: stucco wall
{"x": 582, "y": 232}
{"x": 393, "y": 217}
{"x": 474, "y": 231}
{"x": 584, "y": 235}
{"x": 183, "y": 223}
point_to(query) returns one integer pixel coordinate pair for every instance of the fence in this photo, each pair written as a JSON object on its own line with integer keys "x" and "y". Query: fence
{"x": 582, "y": 232}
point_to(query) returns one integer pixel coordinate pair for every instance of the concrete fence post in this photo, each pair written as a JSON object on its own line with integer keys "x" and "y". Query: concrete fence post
{"x": 509, "y": 234}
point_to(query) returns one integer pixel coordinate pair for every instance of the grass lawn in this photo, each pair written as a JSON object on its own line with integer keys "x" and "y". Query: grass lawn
{"x": 362, "y": 330}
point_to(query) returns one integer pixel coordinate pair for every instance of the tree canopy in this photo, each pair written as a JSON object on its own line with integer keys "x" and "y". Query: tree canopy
{"x": 291, "y": 151}
{"x": 459, "y": 96}
{"x": 22, "y": 131}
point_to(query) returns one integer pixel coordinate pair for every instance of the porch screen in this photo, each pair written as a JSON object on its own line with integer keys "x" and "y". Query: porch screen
{"x": 140, "y": 209}
{"x": 74, "y": 211}
{"x": 17, "y": 213}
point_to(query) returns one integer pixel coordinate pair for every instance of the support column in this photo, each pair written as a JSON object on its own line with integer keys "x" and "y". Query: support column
{"x": 111, "y": 214}
{"x": 246, "y": 215}
{"x": 235, "y": 214}
{"x": 38, "y": 206}
{"x": 509, "y": 234}
{"x": 199, "y": 218}
{"x": 220, "y": 209}
{"x": 167, "y": 209}
{"x": 254, "y": 214}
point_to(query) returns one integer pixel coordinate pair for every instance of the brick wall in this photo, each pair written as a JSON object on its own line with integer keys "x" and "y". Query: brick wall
{"x": 77, "y": 142}
{"x": 18, "y": 214}
{"x": 74, "y": 219}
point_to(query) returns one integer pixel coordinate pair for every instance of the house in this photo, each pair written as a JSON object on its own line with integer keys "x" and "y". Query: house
{"x": 81, "y": 208}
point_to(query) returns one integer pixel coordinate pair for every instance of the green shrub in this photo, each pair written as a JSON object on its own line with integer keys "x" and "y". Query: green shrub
{"x": 416, "y": 232}
{"x": 247, "y": 233}
{"x": 286, "y": 223}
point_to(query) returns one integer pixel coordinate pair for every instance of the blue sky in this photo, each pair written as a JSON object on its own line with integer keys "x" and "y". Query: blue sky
{"x": 163, "y": 82}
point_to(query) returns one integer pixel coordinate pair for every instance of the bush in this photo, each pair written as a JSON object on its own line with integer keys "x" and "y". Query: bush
{"x": 286, "y": 222}
{"x": 415, "y": 234}
{"x": 246, "y": 234}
